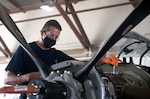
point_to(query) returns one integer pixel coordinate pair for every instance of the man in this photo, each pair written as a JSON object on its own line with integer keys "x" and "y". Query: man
{"x": 21, "y": 69}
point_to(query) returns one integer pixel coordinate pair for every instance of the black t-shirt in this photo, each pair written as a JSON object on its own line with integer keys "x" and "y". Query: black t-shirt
{"x": 21, "y": 63}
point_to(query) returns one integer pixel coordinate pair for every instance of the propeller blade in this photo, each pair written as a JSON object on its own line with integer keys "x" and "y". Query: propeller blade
{"x": 136, "y": 16}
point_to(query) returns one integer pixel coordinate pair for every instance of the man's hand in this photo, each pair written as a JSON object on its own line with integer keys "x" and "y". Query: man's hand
{"x": 30, "y": 76}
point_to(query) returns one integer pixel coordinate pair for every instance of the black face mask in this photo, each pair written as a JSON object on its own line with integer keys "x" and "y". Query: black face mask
{"x": 48, "y": 42}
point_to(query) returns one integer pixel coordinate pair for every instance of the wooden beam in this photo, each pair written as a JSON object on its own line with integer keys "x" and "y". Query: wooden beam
{"x": 136, "y": 2}
{"x": 5, "y": 46}
{"x": 3, "y": 51}
{"x": 70, "y": 23}
{"x": 79, "y": 25}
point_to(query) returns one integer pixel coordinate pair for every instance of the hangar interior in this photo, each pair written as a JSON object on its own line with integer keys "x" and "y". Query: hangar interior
{"x": 102, "y": 19}
{"x": 81, "y": 36}
{"x": 86, "y": 25}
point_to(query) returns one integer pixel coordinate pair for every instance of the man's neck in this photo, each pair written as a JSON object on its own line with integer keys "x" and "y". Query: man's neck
{"x": 41, "y": 45}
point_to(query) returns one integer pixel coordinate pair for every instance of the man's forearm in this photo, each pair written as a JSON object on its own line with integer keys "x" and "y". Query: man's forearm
{"x": 12, "y": 79}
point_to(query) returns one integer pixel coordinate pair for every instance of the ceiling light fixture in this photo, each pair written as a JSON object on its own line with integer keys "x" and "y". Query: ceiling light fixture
{"x": 46, "y": 8}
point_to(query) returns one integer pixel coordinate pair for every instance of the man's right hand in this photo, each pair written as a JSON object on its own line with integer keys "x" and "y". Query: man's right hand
{"x": 30, "y": 76}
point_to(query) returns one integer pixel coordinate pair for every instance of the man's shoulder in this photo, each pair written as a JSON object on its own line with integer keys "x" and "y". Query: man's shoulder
{"x": 32, "y": 43}
{"x": 56, "y": 50}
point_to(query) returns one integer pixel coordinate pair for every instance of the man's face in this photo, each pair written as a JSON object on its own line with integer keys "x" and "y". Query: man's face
{"x": 53, "y": 33}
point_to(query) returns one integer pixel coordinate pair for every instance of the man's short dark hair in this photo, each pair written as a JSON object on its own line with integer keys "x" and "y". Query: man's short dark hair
{"x": 49, "y": 23}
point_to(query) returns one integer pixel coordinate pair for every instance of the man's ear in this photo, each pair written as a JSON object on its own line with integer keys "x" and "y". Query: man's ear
{"x": 41, "y": 32}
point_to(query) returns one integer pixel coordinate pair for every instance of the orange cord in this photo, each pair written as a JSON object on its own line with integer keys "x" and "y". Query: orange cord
{"x": 111, "y": 59}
